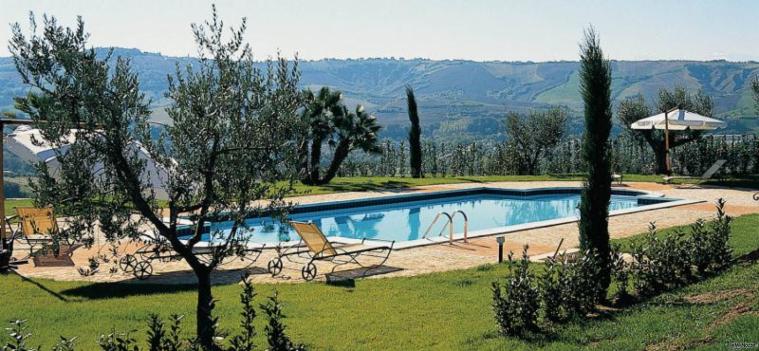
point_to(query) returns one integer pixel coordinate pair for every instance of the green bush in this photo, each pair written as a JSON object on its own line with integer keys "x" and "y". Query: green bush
{"x": 709, "y": 243}
{"x": 664, "y": 263}
{"x": 569, "y": 288}
{"x": 516, "y": 302}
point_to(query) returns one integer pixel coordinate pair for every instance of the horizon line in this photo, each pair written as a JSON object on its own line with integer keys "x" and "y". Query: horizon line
{"x": 394, "y": 58}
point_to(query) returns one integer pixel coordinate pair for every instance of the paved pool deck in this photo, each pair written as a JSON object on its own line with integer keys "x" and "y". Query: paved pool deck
{"x": 439, "y": 257}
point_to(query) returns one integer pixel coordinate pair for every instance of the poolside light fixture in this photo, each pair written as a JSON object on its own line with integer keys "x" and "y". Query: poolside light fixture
{"x": 677, "y": 119}
{"x": 500, "y": 240}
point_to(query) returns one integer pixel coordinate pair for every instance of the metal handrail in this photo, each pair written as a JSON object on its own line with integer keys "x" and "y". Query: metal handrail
{"x": 449, "y": 225}
{"x": 450, "y": 221}
{"x": 466, "y": 224}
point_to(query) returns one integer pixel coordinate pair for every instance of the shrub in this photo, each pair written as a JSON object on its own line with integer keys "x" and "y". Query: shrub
{"x": 664, "y": 263}
{"x": 584, "y": 290}
{"x": 516, "y": 302}
{"x": 709, "y": 248}
{"x": 661, "y": 263}
{"x": 116, "y": 341}
{"x": 275, "y": 330}
{"x": 19, "y": 334}
{"x": 552, "y": 285}
{"x": 621, "y": 273}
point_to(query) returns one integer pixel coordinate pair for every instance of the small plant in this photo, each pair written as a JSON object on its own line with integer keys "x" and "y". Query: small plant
{"x": 18, "y": 332}
{"x": 244, "y": 341}
{"x": 516, "y": 302}
{"x": 580, "y": 288}
{"x": 156, "y": 333}
{"x": 116, "y": 341}
{"x": 275, "y": 329}
{"x": 64, "y": 344}
{"x": 621, "y": 272}
{"x": 709, "y": 243}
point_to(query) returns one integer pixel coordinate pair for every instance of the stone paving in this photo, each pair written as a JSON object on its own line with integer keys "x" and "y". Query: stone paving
{"x": 440, "y": 257}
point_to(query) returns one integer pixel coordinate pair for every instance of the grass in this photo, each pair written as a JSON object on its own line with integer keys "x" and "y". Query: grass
{"x": 444, "y": 311}
{"x": 399, "y": 183}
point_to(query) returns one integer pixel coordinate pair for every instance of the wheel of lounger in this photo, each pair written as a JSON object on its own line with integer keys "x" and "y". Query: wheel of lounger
{"x": 127, "y": 263}
{"x": 143, "y": 270}
{"x": 275, "y": 266}
{"x": 309, "y": 271}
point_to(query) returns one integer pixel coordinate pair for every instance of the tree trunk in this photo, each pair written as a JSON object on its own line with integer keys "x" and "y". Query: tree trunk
{"x": 316, "y": 157}
{"x": 206, "y": 324}
{"x": 341, "y": 152}
{"x": 661, "y": 160}
{"x": 5, "y": 254}
{"x": 303, "y": 170}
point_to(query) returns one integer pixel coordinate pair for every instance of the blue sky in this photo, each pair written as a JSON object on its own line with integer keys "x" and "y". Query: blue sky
{"x": 537, "y": 30}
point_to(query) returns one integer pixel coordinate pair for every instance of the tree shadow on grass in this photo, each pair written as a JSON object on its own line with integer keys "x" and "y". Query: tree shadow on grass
{"x": 164, "y": 283}
{"x": 391, "y": 185}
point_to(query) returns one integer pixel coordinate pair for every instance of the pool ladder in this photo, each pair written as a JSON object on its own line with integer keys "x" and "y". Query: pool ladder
{"x": 449, "y": 224}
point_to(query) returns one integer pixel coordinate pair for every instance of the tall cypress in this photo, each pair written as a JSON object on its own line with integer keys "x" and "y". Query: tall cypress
{"x": 414, "y": 136}
{"x": 595, "y": 88}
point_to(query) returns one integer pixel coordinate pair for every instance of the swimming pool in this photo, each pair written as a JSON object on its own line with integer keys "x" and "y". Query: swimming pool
{"x": 406, "y": 218}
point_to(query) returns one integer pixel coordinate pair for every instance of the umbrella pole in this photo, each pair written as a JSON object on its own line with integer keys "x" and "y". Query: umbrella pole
{"x": 5, "y": 253}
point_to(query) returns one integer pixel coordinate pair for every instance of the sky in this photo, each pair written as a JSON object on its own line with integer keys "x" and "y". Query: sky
{"x": 527, "y": 30}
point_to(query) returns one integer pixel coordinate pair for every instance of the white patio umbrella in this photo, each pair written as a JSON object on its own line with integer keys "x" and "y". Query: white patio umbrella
{"x": 28, "y": 144}
{"x": 677, "y": 119}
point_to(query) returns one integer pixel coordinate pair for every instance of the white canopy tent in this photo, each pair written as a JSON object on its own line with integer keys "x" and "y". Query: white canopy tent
{"x": 28, "y": 144}
{"x": 679, "y": 120}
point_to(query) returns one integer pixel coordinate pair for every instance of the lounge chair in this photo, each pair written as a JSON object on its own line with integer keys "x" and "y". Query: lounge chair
{"x": 37, "y": 228}
{"x": 158, "y": 248}
{"x": 318, "y": 248}
{"x": 704, "y": 177}
{"x": 618, "y": 177}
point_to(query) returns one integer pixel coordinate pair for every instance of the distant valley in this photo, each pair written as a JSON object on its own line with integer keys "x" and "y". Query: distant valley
{"x": 466, "y": 100}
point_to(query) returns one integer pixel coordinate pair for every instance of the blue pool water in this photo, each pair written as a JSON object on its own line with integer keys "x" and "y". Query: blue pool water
{"x": 405, "y": 220}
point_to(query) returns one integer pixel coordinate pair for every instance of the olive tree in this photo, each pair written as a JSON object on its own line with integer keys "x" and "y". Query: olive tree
{"x": 531, "y": 135}
{"x": 227, "y": 144}
{"x": 635, "y": 108}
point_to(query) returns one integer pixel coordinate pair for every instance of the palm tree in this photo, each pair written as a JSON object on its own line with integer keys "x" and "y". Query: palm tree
{"x": 318, "y": 114}
{"x": 353, "y": 131}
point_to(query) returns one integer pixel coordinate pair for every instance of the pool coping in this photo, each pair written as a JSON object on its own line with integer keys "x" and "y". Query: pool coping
{"x": 459, "y": 236}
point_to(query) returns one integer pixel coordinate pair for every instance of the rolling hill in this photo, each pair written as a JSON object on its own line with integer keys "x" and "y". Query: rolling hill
{"x": 467, "y": 99}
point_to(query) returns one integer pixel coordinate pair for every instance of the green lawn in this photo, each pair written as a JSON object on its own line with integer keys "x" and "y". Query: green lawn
{"x": 390, "y": 183}
{"x": 446, "y": 311}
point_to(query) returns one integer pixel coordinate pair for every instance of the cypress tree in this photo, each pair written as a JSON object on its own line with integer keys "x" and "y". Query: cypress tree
{"x": 414, "y": 136}
{"x": 595, "y": 88}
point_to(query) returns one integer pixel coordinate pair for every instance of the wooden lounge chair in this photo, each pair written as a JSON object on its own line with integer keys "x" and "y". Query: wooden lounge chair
{"x": 36, "y": 227}
{"x": 318, "y": 248}
{"x": 704, "y": 177}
